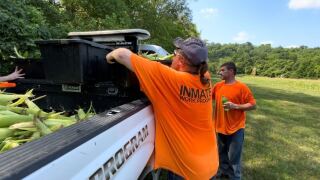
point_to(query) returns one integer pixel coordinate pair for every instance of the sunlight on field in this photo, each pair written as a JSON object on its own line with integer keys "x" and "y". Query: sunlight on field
{"x": 259, "y": 116}
{"x": 305, "y": 86}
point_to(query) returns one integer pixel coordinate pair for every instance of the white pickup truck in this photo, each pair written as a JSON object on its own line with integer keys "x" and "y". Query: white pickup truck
{"x": 117, "y": 143}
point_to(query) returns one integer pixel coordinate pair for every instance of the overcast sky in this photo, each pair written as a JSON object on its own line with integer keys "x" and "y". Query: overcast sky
{"x": 286, "y": 23}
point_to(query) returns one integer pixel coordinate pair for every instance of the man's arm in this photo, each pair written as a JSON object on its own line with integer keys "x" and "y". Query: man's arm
{"x": 122, "y": 56}
{"x": 248, "y": 100}
{"x": 15, "y": 75}
{"x": 244, "y": 107}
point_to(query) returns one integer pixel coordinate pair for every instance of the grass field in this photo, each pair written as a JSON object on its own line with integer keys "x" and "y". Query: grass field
{"x": 282, "y": 139}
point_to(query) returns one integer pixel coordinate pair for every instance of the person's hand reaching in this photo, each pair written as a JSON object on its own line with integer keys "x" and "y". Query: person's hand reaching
{"x": 16, "y": 74}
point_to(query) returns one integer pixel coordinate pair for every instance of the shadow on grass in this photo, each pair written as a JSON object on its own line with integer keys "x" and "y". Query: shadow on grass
{"x": 294, "y": 108}
{"x": 282, "y": 136}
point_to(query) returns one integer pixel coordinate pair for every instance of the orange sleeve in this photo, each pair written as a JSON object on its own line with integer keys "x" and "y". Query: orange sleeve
{"x": 247, "y": 96}
{"x": 150, "y": 74}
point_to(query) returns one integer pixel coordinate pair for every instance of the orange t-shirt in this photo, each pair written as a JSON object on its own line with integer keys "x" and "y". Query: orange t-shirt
{"x": 228, "y": 122}
{"x": 185, "y": 142}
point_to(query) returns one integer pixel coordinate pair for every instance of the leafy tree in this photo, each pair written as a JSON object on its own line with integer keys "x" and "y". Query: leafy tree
{"x": 20, "y": 25}
{"x": 165, "y": 19}
{"x": 24, "y": 21}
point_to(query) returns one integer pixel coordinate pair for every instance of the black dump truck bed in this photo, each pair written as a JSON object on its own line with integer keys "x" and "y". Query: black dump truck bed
{"x": 117, "y": 143}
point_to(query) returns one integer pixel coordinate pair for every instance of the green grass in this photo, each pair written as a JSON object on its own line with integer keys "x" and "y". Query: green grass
{"x": 282, "y": 139}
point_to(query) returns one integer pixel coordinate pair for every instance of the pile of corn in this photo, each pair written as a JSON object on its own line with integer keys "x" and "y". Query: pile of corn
{"x": 21, "y": 120}
{"x": 156, "y": 56}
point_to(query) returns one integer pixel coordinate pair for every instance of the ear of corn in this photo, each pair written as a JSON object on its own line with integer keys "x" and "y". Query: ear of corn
{"x": 9, "y": 144}
{"x": 22, "y": 99}
{"x": 7, "y": 120}
{"x": 167, "y": 57}
{"x": 65, "y": 118}
{"x": 23, "y": 134}
{"x": 5, "y": 98}
{"x": 2, "y": 144}
{"x": 156, "y": 56}
{"x": 55, "y": 115}
{"x": 59, "y": 121}
{"x": 5, "y": 133}
{"x": 44, "y": 130}
{"x": 21, "y": 110}
{"x": 31, "y": 129}
{"x": 153, "y": 56}
{"x": 90, "y": 112}
{"x": 81, "y": 114}
{"x": 22, "y": 125}
{"x": 23, "y": 121}
{"x": 224, "y": 99}
{"x": 25, "y": 111}
{"x": 2, "y": 108}
{"x": 7, "y": 112}
{"x": 32, "y": 105}
{"x": 56, "y": 127}
{"x": 35, "y": 135}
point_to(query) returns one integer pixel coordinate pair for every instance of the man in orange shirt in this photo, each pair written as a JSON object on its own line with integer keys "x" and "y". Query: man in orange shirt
{"x": 232, "y": 99}
{"x": 185, "y": 142}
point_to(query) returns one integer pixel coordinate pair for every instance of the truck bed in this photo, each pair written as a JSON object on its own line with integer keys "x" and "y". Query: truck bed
{"x": 115, "y": 144}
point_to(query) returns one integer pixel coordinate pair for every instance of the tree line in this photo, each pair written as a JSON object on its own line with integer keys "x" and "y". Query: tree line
{"x": 263, "y": 60}
{"x": 24, "y": 21}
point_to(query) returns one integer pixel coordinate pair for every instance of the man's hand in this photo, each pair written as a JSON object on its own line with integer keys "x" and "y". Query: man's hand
{"x": 110, "y": 58}
{"x": 15, "y": 75}
{"x": 120, "y": 55}
{"x": 230, "y": 105}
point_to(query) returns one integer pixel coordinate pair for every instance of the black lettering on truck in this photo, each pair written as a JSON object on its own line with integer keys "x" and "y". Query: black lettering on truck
{"x": 108, "y": 168}
{"x": 114, "y": 163}
{"x": 119, "y": 156}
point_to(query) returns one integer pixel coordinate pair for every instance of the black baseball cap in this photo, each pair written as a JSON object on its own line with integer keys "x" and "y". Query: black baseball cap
{"x": 194, "y": 49}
